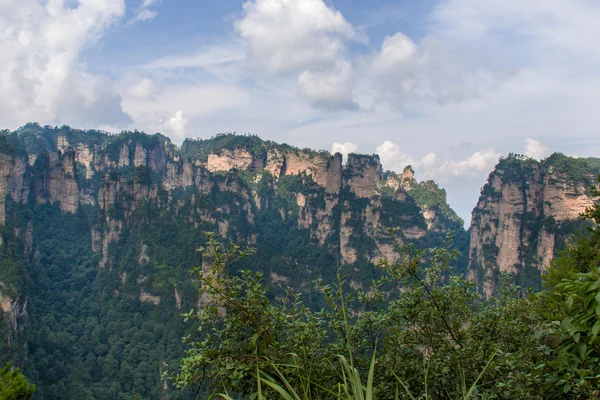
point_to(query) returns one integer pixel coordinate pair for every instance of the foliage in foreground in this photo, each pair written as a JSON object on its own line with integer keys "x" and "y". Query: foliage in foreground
{"x": 13, "y": 385}
{"x": 416, "y": 334}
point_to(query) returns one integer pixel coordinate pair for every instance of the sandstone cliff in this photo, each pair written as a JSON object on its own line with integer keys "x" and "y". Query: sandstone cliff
{"x": 526, "y": 211}
{"x": 239, "y": 186}
{"x": 228, "y": 184}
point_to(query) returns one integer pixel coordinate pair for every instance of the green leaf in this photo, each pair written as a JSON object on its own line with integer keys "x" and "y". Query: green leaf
{"x": 569, "y": 304}
{"x": 596, "y": 328}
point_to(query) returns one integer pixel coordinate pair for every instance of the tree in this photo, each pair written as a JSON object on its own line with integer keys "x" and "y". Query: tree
{"x": 13, "y": 385}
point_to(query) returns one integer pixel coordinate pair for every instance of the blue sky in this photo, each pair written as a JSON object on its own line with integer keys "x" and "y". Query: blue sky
{"x": 448, "y": 86}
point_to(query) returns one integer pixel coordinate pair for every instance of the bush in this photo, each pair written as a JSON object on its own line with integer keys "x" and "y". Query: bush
{"x": 13, "y": 385}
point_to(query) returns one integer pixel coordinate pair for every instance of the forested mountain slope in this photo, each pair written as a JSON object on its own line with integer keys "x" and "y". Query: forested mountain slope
{"x": 99, "y": 233}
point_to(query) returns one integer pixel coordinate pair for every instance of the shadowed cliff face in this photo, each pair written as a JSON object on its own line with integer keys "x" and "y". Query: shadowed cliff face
{"x": 526, "y": 211}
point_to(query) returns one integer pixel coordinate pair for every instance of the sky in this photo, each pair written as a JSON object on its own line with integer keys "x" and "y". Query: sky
{"x": 448, "y": 86}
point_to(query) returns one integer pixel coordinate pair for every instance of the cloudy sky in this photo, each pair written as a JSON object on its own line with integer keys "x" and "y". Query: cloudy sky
{"x": 445, "y": 85}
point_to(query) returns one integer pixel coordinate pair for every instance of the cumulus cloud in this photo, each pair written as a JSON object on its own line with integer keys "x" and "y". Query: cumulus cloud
{"x": 480, "y": 161}
{"x": 535, "y": 149}
{"x": 393, "y": 158}
{"x": 41, "y": 75}
{"x": 403, "y": 70}
{"x": 176, "y": 124}
{"x": 396, "y": 50}
{"x": 330, "y": 88}
{"x": 293, "y": 35}
{"x": 143, "y": 12}
{"x": 344, "y": 148}
{"x": 140, "y": 88}
{"x": 303, "y": 38}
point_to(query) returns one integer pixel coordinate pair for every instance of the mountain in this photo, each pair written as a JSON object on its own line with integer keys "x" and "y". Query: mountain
{"x": 526, "y": 212}
{"x": 98, "y": 234}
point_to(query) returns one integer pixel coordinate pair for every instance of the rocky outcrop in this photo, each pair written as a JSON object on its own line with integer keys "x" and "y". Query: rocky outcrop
{"x": 148, "y": 298}
{"x": 14, "y": 309}
{"x": 362, "y": 174}
{"x": 519, "y": 217}
{"x": 230, "y": 159}
{"x": 19, "y": 184}
{"x": 6, "y": 166}
{"x": 62, "y": 184}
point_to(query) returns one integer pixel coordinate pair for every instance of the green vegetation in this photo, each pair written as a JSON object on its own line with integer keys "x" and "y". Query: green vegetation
{"x": 13, "y": 385}
{"x": 36, "y": 139}
{"x": 115, "y": 144}
{"x": 428, "y": 194}
{"x": 199, "y": 149}
{"x": 516, "y": 168}
{"x": 571, "y": 170}
{"x": 594, "y": 163}
{"x": 6, "y": 147}
{"x": 396, "y": 213}
{"x": 428, "y": 342}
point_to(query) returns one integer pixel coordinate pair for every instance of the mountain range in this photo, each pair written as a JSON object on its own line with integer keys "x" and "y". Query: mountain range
{"x": 98, "y": 233}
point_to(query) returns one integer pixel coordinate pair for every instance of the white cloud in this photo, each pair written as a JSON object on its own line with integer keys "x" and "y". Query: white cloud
{"x": 143, "y": 12}
{"x": 479, "y": 162}
{"x": 141, "y": 88}
{"x": 303, "y": 38}
{"x": 403, "y": 71}
{"x": 293, "y": 35}
{"x": 329, "y": 89}
{"x": 397, "y": 50}
{"x": 489, "y": 76}
{"x": 41, "y": 75}
{"x": 344, "y": 148}
{"x": 114, "y": 129}
{"x": 176, "y": 124}
{"x": 535, "y": 149}
{"x": 206, "y": 58}
{"x": 393, "y": 158}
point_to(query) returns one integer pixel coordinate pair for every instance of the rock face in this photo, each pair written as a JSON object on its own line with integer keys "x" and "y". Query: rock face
{"x": 346, "y": 208}
{"x": 14, "y": 310}
{"x": 362, "y": 174}
{"x": 6, "y": 166}
{"x": 525, "y": 212}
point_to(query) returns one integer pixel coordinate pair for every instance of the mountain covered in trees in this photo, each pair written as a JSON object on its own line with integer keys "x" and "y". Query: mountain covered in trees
{"x": 98, "y": 233}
